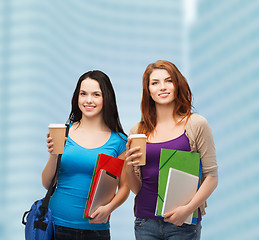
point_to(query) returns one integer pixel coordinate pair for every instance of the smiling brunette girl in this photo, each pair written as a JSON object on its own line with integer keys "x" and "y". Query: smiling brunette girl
{"x": 94, "y": 128}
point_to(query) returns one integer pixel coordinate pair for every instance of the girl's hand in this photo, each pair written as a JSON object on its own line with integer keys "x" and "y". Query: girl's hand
{"x": 131, "y": 156}
{"x": 177, "y": 216}
{"x": 50, "y": 143}
{"x": 100, "y": 214}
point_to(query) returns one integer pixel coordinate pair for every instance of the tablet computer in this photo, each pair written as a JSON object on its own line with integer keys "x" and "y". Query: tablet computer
{"x": 180, "y": 189}
{"x": 105, "y": 190}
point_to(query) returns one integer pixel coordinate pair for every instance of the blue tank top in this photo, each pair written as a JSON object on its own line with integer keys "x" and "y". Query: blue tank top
{"x": 77, "y": 164}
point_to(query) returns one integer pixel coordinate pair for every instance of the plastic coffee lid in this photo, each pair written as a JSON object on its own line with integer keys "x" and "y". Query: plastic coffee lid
{"x": 138, "y": 136}
{"x": 53, "y": 125}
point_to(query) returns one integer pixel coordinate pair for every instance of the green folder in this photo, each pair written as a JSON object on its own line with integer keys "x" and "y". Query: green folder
{"x": 188, "y": 162}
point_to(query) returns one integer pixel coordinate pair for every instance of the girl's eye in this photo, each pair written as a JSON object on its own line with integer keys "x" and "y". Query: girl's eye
{"x": 97, "y": 94}
{"x": 82, "y": 93}
{"x": 154, "y": 83}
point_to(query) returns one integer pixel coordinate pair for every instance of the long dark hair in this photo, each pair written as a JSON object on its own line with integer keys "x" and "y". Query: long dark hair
{"x": 109, "y": 110}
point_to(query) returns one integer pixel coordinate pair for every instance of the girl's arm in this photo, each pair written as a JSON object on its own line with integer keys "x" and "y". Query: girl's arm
{"x": 50, "y": 168}
{"x": 205, "y": 146}
{"x": 133, "y": 180}
{"x": 122, "y": 194}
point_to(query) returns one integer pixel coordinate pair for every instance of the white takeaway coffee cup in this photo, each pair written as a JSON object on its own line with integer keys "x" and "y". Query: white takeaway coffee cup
{"x": 57, "y": 133}
{"x": 139, "y": 140}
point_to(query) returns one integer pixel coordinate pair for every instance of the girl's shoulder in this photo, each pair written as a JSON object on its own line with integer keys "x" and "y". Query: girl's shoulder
{"x": 196, "y": 121}
{"x": 119, "y": 136}
{"x": 197, "y": 126}
{"x": 134, "y": 129}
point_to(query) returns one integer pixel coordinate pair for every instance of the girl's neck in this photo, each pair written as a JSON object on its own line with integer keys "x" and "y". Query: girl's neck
{"x": 168, "y": 126}
{"x": 93, "y": 124}
{"x": 164, "y": 113}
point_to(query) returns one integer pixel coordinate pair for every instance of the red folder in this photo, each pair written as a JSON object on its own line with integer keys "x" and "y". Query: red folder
{"x": 112, "y": 165}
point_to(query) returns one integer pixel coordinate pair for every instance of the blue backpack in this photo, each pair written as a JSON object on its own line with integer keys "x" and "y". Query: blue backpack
{"x": 39, "y": 224}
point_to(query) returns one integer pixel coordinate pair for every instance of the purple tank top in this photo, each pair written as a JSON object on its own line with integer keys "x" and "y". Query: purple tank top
{"x": 145, "y": 202}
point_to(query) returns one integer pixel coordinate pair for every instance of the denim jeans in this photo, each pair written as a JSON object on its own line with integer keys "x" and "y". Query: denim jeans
{"x": 64, "y": 233}
{"x": 151, "y": 229}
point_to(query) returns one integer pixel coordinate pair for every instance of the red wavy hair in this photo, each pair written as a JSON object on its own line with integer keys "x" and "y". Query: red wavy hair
{"x": 183, "y": 97}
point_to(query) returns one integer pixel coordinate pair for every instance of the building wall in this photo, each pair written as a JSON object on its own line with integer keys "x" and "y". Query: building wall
{"x": 224, "y": 70}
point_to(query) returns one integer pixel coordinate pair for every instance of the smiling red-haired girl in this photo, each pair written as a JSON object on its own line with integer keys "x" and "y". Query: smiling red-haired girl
{"x": 168, "y": 122}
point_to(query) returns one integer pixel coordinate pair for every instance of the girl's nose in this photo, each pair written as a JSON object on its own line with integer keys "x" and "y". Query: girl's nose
{"x": 163, "y": 87}
{"x": 89, "y": 99}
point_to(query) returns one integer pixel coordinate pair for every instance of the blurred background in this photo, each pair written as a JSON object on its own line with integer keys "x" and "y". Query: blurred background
{"x": 46, "y": 45}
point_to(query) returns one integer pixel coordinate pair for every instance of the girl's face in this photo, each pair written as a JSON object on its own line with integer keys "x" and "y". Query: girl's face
{"x": 90, "y": 99}
{"x": 161, "y": 87}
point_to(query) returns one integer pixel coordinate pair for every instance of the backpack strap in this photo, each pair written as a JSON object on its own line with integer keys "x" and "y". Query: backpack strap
{"x": 52, "y": 187}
